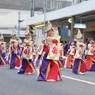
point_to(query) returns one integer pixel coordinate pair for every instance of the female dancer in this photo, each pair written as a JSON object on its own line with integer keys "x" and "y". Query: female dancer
{"x": 14, "y": 52}
{"x": 49, "y": 69}
{"x": 27, "y": 55}
{"x": 90, "y": 59}
{"x": 70, "y": 57}
{"x": 3, "y": 58}
{"x": 79, "y": 66}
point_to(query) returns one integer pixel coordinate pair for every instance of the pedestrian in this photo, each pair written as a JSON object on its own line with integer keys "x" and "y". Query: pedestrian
{"x": 79, "y": 66}
{"x": 3, "y": 58}
{"x": 13, "y": 51}
{"x": 27, "y": 66}
{"x": 49, "y": 69}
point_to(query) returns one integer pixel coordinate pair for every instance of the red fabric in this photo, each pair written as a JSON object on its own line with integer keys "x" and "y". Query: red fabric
{"x": 53, "y": 73}
{"x": 69, "y": 61}
{"x": 81, "y": 46}
{"x": 17, "y": 63}
{"x": 27, "y": 45}
{"x": 89, "y": 62}
{"x": 28, "y": 69}
{"x": 1, "y": 64}
{"x": 3, "y": 48}
{"x": 13, "y": 42}
{"x": 0, "y": 50}
{"x": 46, "y": 48}
{"x": 55, "y": 42}
{"x": 83, "y": 66}
{"x": 54, "y": 50}
{"x": 2, "y": 43}
{"x": 74, "y": 51}
{"x": 27, "y": 51}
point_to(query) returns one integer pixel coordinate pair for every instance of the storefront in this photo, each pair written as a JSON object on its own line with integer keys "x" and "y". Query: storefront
{"x": 89, "y": 32}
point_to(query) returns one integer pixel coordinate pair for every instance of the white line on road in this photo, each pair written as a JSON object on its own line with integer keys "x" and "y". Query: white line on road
{"x": 84, "y": 81}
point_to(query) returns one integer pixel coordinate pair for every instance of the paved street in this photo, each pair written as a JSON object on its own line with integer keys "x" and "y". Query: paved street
{"x": 13, "y": 84}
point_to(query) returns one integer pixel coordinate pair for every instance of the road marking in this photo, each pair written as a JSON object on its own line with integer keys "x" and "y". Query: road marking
{"x": 84, "y": 81}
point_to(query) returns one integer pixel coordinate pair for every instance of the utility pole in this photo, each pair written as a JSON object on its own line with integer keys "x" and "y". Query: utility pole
{"x": 72, "y": 28}
{"x": 18, "y": 24}
{"x": 44, "y": 11}
{"x": 32, "y": 8}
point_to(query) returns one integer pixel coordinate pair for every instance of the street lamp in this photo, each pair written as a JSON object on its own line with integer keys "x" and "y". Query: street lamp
{"x": 19, "y": 21}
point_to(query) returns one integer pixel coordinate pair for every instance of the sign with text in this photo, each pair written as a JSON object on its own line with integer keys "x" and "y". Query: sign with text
{"x": 79, "y": 25}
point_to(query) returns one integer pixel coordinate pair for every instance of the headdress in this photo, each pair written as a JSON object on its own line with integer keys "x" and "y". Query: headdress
{"x": 49, "y": 26}
{"x": 13, "y": 32}
{"x": 79, "y": 35}
{"x": 1, "y": 37}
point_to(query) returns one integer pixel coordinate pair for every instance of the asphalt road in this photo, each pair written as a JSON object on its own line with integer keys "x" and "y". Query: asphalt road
{"x": 13, "y": 84}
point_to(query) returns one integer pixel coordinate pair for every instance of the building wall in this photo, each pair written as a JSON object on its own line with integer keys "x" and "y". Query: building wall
{"x": 90, "y": 34}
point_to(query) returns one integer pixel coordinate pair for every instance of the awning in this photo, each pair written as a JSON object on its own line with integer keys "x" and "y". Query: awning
{"x": 81, "y": 8}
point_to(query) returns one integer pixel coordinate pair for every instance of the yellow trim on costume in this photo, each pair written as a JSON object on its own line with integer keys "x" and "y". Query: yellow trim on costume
{"x": 31, "y": 65}
{"x": 3, "y": 60}
{"x": 79, "y": 66}
{"x": 18, "y": 56}
{"x": 90, "y": 64}
{"x": 72, "y": 60}
{"x": 48, "y": 69}
{"x": 92, "y": 59}
{"x": 55, "y": 62}
{"x": 42, "y": 57}
{"x": 19, "y": 59}
{"x": 8, "y": 65}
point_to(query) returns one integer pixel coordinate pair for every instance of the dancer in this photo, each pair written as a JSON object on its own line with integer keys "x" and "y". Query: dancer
{"x": 14, "y": 52}
{"x": 49, "y": 69}
{"x": 90, "y": 59}
{"x": 27, "y": 55}
{"x": 70, "y": 58}
{"x": 3, "y": 58}
{"x": 79, "y": 66}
